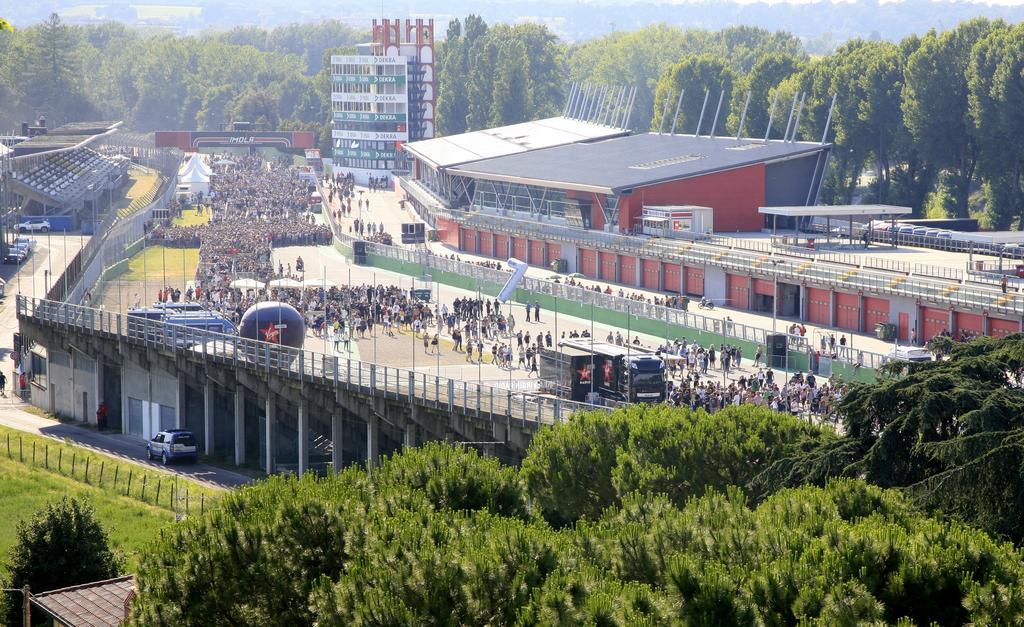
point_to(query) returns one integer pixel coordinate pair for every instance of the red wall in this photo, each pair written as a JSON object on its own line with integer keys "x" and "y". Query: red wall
{"x": 933, "y": 322}
{"x": 588, "y": 261}
{"x": 519, "y": 250}
{"x": 972, "y": 323}
{"x": 848, "y": 311}
{"x": 627, "y": 270}
{"x": 764, "y": 287}
{"x": 469, "y": 240}
{"x": 735, "y": 196}
{"x": 536, "y": 253}
{"x": 737, "y": 291}
{"x": 672, "y": 277}
{"x": 606, "y": 266}
{"x": 448, "y": 232}
{"x": 487, "y": 244}
{"x": 818, "y": 301}
{"x": 651, "y": 270}
{"x": 554, "y": 252}
{"x": 501, "y": 246}
{"x": 875, "y": 310}
{"x": 695, "y": 281}
{"x": 998, "y": 327}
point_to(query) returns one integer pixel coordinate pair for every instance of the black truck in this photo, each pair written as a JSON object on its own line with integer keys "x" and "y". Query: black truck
{"x": 621, "y": 373}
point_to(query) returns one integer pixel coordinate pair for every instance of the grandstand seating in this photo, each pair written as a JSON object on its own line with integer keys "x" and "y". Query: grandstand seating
{"x": 66, "y": 176}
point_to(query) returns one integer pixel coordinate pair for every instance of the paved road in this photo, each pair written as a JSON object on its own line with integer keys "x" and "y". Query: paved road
{"x": 13, "y": 414}
{"x": 32, "y": 279}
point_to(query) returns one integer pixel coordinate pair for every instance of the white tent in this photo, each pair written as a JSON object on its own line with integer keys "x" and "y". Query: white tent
{"x": 197, "y": 163}
{"x": 194, "y": 182}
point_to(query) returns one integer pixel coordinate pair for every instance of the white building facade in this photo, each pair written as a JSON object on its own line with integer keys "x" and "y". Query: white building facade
{"x": 382, "y": 98}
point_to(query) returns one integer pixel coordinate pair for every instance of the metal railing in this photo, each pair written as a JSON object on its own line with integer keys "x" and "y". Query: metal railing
{"x": 310, "y": 366}
{"x": 600, "y": 300}
{"x": 864, "y": 277}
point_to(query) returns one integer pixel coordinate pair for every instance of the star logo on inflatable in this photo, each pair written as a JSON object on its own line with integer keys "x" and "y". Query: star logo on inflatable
{"x": 271, "y": 334}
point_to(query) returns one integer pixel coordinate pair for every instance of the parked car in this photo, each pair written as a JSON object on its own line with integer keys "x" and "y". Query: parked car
{"x": 27, "y": 241}
{"x": 33, "y": 225}
{"x": 909, "y": 353}
{"x": 944, "y": 235}
{"x": 17, "y": 253}
{"x": 172, "y": 445}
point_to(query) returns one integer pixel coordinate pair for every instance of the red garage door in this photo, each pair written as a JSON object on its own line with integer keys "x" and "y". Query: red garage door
{"x": 469, "y": 240}
{"x": 933, "y": 322}
{"x": 501, "y": 246}
{"x": 554, "y": 252}
{"x": 737, "y": 291}
{"x": 695, "y": 281}
{"x": 588, "y": 259}
{"x": 764, "y": 287}
{"x": 672, "y": 276}
{"x": 487, "y": 244}
{"x": 627, "y": 270}
{"x": 848, "y": 311}
{"x": 652, "y": 274}
{"x": 536, "y": 254}
{"x": 607, "y": 267}
{"x": 998, "y": 327}
{"x": 519, "y": 248}
{"x": 876, "y": 310}
{"x": 818, "y": 306}
{"x": 968, "y": 325}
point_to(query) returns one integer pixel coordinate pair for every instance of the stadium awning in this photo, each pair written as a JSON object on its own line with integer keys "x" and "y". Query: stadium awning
{"x": 836, "y": 211}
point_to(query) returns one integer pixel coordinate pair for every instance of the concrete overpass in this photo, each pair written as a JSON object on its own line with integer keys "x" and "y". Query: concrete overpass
{"x": 260, "y": 405}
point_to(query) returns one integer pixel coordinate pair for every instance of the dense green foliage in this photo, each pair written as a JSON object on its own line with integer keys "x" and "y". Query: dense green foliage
{"x": 443, "y": 536}
{"x": 492, "y": 76}
{"x": 583, "y": 467}
{"x": 61, "y": 545}
{"x": 160, "y": 81}
{"x": 951, "y": 433}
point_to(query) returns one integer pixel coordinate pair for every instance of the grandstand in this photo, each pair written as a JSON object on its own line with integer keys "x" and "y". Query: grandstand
{"x": 63, "y": 180}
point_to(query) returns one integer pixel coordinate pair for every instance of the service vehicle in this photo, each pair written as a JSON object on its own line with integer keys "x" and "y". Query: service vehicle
{"x": 171, "y": 445}
{"x": 622, "y": 373}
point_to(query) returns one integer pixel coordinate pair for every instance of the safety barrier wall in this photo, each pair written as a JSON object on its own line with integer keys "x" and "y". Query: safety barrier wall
{"x": 314, "y": 367}
{"x": 626, "y": 314}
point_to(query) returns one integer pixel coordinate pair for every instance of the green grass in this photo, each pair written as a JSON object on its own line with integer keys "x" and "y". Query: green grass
{"x": 132, "y": 502}
{"x": 192, "y": 217}
{"x": 159, "y": 261}
{"x": 130, "y": 524}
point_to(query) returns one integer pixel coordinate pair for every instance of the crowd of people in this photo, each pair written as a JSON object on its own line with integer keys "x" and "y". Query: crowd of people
{"x": 253, "y": 206}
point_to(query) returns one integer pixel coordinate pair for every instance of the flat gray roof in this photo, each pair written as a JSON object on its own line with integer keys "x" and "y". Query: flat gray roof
{"x": 445, "y": 152}
{"x": 621, "y": 163}
{"x": 837, "y": 211}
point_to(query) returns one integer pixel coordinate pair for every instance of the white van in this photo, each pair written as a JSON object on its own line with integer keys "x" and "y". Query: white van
{"x": 910, "y": 353}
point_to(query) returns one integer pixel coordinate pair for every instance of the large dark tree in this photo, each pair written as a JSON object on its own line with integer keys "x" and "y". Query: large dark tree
{"x": 61, "y": 545}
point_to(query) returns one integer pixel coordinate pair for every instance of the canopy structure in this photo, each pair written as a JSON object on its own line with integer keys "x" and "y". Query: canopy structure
{"x": 246, "y": 284}
{"x": 318, "y": 283}
{"x": 195, "y": 162}
{"x": 285, "y": 284}
{"x": 836, "y": 211}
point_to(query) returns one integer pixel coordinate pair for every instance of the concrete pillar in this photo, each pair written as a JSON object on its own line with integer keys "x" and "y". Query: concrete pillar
{"x": 208, "y": 419}
{"x": 124, "y": 399}
{"x": 270, "y": 424}
{"x": 303, "y": 437}
{"x": 179, "y": 410}
{"x": 803, "y": 303}
{"x": 832, "y": 308}
{"x": 239, "y": 425}
{"x": 409, "y": 435}
{"x": 372, "y": 438}
{"x": 337, "y": 442}
{"x": 97, "y": 390}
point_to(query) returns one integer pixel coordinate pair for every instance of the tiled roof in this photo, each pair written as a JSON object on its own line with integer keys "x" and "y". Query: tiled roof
{"x": 96, "y": 604}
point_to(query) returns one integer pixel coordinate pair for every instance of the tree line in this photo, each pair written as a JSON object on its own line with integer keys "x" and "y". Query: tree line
{"x": 647, "y": 515}
{"x": 930, "y": 121}
{"x": 906, "y": 514}
{"x": 158, "y": 81}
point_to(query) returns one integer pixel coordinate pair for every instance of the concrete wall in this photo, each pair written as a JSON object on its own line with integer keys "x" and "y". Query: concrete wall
{"x": 73, "y": 385}
{"x": 158, "y": 386}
